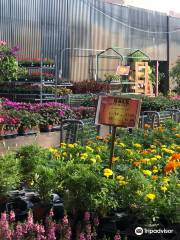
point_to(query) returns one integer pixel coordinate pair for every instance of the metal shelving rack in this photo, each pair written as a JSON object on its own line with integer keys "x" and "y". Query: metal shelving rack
{"x": 38, "y": 96}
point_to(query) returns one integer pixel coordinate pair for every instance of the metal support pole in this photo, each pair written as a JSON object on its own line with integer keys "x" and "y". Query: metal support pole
{"x": 112, "y": 146}
{"x": 41, "y": 86}
{"x": 97, "y": 63}
{"x": 56, "y": 79}
{"x": 157, "y": 78}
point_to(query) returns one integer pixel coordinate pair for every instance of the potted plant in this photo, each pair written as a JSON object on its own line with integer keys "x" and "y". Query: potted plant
{"x": 45, "y": 185}
{"x": 8, "y": 125}
{"x": 8, "y": 64}
{"x": 9, "y": 175}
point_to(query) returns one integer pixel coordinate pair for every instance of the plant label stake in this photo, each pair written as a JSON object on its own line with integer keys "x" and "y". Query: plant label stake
{"x": 117, "y": 112}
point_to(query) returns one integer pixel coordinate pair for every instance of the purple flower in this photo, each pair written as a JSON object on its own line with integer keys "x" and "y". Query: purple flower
{"x": 14, "y": 50}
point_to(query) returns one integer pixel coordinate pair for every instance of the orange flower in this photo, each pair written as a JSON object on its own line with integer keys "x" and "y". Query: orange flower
{"x": 99, "y": 137}
{"x": 175, "y": 157}
{"x": 136, "y": 163}
{"x": 154, "y": 178}
{"x": 147, "y": 125}
{"x": 144, "y": 160}
{"x": 171, "y": 166}
{"x": 146, "y": 151}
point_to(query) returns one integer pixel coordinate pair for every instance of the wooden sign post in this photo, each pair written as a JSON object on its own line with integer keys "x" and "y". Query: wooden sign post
{"x": 117, "y": 112}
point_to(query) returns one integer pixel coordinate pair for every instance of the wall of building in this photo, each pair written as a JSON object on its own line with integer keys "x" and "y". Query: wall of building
{"x": 46, "y": 27}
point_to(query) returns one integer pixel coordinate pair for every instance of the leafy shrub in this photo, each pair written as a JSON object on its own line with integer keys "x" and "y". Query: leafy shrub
{"x": 9, "y": 173}
{"x": 30, "y": 158}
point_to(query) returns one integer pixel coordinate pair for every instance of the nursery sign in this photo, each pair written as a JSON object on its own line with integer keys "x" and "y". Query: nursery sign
{"x": 118, "y": 111}
{"x": 123, "y": 70}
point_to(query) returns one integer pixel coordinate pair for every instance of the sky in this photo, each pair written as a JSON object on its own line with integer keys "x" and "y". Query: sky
{"x": 159, "y": 5}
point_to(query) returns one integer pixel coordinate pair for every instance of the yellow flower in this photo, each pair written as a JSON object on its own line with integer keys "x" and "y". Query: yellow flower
{"x": 150, "y": 196}
{"x": 153, "y": 159}
{"x": 129, "y": 151}
{"x": 153, "y": 146}
{"x": 114, "y": 159}
{"x": 93, "y": 160}
{"x": 178, "y": 185}
{"x": 64, "y": 154}
{"x": 166, "y": 150}
{"x": 173, "y": 146}
{"x": 155, "y": 171}
{"x": 120, "y": 177}
{"x": 70, "y": 145}
{"x": 89, "y": 149}
{"x": 158, "y": 156}
{"x": 137, "y": 145}
{"x": 147, "y": 172}
{"x": 53, "y": 150}
{"x": 165, "y": 180}
{"x": 164, "y": 188}
{"x": 83, "y": 156}
{"x": 121, "y": 145}
{"x": 62, "y": 145}
{"x": 163, "y": 146}
{"x": 107, "y": 172}
{"x": 122, "y": 182}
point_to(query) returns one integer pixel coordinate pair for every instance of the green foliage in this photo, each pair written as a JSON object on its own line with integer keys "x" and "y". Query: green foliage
{"x": 175, "y": 74}
{"x": 83, "y": 188}
{"x": 158, "y": 103}
{"x": 9, "y": 69}
{"x": 27, "y": 119}
{"x": 110, "y": 77}
{"x": 9, "y": 173}
{"x": 31, "y": 157}
{"x": 45, "y": 182}
{"x": 152, "y": 75}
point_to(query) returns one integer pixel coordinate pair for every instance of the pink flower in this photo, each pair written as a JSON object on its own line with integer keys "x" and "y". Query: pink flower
{"x": 88, "y": 228}
{"x": 117, "y": 236}
{"x": 3, "y": 216}
{"x": 96, "y": 221}
{"x": 87, "y": 216}
{"x": 19, "y": 232}
{"x": 51, "y": 231}
{"x": 65, "y": 220}
{"x": 51, "y": 213}
{"x": 82, "y": 237}
{"x": 12, "y": 216}
{"x": 2, "y": 43}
